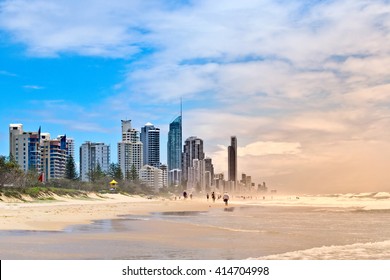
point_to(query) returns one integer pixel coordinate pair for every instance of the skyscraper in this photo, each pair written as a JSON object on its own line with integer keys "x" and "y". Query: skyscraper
{"x": 130, "y": 150}
{"x": 129, "y": 134}
{"x": 150, "y": 138}
{"x": 92, "y": 155}
{"x": 193, "y": 149}
{"x": 174, "y": 150}
{"x": 232, "y": 159}
{"x": 209, "y": 168}
{"x": 175, "y": 144}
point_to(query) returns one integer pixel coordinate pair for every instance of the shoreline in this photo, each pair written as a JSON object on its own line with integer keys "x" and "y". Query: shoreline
{"x": 65, "y": 228}
{"x": 56, "y": 215}
{"x": 59, "y": 212}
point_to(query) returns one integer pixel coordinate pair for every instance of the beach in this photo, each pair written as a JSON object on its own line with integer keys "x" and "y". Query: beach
{"x": 115, "y": 226}
{"x": 54, "y": 215}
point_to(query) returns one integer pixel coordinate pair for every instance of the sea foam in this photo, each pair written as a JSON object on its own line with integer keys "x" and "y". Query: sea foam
{"x": 351, "y": 201}
{"x": 361, "y": 251}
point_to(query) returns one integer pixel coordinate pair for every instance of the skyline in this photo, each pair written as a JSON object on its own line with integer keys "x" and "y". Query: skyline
{"x": 304, "y": 86}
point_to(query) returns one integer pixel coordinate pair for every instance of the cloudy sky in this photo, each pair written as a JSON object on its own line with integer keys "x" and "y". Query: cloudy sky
{"x": 304, "y": 85}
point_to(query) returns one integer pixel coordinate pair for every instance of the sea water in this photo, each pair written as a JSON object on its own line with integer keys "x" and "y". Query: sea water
{"x": 349, "y": 226}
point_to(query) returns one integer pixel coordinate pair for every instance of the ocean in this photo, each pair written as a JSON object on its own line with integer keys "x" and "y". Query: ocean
{"x": 336, "y": 227}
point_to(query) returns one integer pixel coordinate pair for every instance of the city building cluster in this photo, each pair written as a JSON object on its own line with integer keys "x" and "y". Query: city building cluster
{"x": 138, "y": 158}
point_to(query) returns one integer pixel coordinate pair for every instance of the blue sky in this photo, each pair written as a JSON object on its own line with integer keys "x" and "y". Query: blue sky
{"x": 304, "y": 85}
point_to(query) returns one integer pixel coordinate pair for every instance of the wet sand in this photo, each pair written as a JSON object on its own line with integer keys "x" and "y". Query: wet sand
{"x": 124, "y": 227}
{"x": 56, "y": 215}
{"x": 147, "y": 240}
{"x": 64, "y": 229}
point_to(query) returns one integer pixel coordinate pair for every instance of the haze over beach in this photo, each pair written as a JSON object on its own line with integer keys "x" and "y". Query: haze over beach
{"x": 304, "y": 85}
{"x": 115, "y": 226}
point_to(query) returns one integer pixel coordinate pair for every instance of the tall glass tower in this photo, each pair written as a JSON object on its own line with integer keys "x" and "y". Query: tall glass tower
{"x": 175, "y": 144}
{"x": 174, "y": 151}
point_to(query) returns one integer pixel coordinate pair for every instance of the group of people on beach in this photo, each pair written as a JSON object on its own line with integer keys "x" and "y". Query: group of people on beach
{"x": 225, "y": 197}
{"x": 213, "y": 197}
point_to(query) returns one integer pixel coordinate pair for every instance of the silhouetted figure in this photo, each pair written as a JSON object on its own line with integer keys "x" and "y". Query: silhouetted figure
{"x": 213, "y": 196}
{"x": 226, "y": 198}
{"x": 185, "y": 195}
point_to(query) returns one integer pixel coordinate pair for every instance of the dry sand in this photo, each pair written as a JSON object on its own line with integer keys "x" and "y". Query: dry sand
{"x": 61, "y": 212}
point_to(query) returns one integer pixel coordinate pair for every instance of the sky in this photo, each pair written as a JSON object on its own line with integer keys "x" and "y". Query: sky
{"x": 303, "y": 85}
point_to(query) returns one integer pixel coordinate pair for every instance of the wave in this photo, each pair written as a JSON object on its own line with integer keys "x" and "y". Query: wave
{"x": 374, "y": 195}
{"x": 348, "y": 202}
{"x": 357, "y": 251}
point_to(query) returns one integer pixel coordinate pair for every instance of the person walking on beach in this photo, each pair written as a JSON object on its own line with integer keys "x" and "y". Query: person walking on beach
{"x": 226, "y": 198}
{"x": 213, "y": 196}
{"x": 207, "y": 196}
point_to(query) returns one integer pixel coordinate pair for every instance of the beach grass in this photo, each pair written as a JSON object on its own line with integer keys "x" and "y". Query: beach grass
{"x": 40, "y": 193}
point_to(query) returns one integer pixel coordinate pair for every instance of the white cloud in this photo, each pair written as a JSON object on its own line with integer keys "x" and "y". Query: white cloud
{"x": 35, "y": 87}
{"x": 6, "y": 73}
{"x": 85, "y": 28}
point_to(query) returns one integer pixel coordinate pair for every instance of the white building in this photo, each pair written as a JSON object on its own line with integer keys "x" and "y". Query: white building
{"x": 174, "y": 177}
{"x": 164, "y": 169}
{"x": 129, "y": 155}
{"x": 92, "y": 155}
{"x": 130, "y": 150}
{"x": 197, "y": 176}
{"x": 25, "y": 147}
{"x": 152, "y": 177}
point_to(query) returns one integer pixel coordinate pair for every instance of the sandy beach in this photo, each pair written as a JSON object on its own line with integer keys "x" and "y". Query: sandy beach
{"x": 115, "y": 226}
{"x": 54, "y": 215}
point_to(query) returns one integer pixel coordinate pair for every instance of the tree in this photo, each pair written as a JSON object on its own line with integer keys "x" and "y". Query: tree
{"x": 133, "y": 174}
{"x": 96, "y": 174}
{"x": 70, "y": 169}
{"x": 10, "y": 172}
{"x": 115, "y": 172}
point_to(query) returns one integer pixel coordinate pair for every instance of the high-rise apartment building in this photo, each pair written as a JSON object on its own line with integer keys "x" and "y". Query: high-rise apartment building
{"x": 152, "y": 177}
{"x": 232, "y": 159}
{"x": 54, "y": 157}
{"x": 70, "y": 145}
{"x": 209, "y": 167}
{"x": 150, "y": 138}
{"x": 129, "y": 134}
{"x": 25, "y": 147}
{"x": 196, "y": 176}
{"x": 129, "y": 157}
{"x": 164, "y": 169}
{"x": 174, "y": 177}
{"x": 193, "y": 149}
{"x": 92, "y": 155}
{"x": 36, "y": 151}
{"x": 130, "y": 150}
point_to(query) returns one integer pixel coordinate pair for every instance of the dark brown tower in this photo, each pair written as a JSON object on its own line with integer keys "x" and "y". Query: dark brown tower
{"x": 232, "y": 159}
